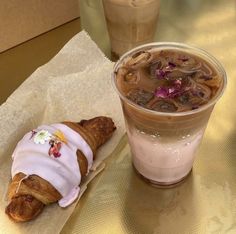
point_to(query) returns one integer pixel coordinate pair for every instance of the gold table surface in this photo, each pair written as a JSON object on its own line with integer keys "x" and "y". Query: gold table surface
{"x": 118, "y": 201}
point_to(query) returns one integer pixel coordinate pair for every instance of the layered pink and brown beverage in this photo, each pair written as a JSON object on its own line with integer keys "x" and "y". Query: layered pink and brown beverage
{"x": 167, "y": 91}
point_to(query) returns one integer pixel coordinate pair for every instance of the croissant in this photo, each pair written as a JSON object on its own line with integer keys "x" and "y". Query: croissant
{"x": 50, "y": 162}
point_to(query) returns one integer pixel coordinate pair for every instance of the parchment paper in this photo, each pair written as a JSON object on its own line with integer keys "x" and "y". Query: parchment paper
{"x": 74, "y": 85}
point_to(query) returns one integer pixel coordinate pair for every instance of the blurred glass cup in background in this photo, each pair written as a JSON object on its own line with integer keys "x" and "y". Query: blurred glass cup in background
{"x": 130, "y": 23}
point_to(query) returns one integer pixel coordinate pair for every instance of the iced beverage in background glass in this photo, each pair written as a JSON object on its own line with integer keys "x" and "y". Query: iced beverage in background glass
{"x": 130, "y": 23}
{"x": 167, "y": 92}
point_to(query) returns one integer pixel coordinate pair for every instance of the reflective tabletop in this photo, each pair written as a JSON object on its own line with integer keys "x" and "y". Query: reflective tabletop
{"x": 118, "y": 201}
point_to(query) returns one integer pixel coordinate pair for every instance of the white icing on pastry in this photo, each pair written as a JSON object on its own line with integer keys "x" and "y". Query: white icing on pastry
{"x": 63, "y": 171}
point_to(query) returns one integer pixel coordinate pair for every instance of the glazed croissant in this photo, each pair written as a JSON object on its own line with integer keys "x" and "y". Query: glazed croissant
{"x": 28, "y": 192}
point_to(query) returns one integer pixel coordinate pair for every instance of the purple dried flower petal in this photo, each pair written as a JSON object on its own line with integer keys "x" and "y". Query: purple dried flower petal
{"x": 175, "y": 89}
{"x": 175, "y": 93}
{"x": 168, "y": 92}
{"x": 162, "y": 92}
{"x": 171, "y": 90}
{"x": 160, "y": 74}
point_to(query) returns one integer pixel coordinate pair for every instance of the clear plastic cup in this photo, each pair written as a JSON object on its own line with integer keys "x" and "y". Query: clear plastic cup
{"x": 164, "y": 145}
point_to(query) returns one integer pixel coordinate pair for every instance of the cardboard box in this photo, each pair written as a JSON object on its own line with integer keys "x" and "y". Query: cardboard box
{"x": 23, "y": 20}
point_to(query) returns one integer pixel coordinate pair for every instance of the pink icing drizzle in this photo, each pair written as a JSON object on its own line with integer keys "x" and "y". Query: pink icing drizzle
{"x": 62, "y": 172}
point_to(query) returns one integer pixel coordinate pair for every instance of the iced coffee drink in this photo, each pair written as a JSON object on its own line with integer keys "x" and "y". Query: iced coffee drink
{"x": 130, "y": 23}
{"x": 167, "y": 92}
